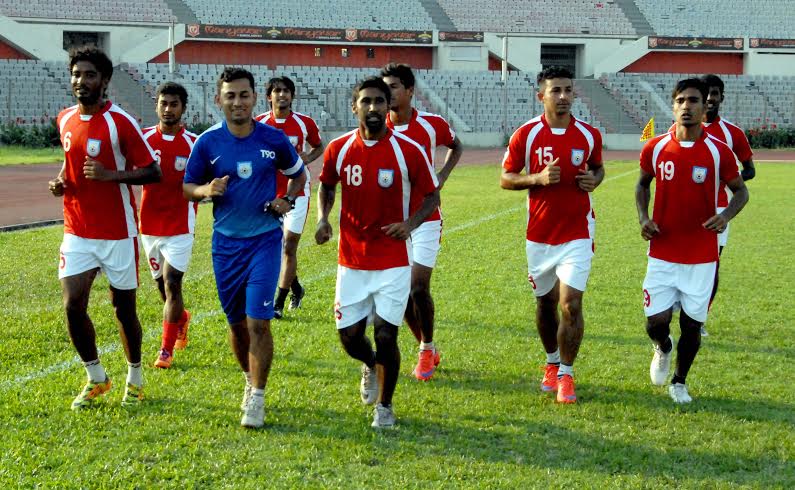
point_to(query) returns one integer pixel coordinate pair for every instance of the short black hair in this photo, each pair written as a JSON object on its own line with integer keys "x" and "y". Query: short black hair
{"x": 711, "y": 80}
{"x": 551, "y": 72}
{"x": 687, "y": 83}
{"x": 173, "y": 88}
{"x": 284, "y": 81}
{"x": 401, "y": 71}
{"x": 93, "y": 55}
{"x": 232, "y": 73}
{"x": 372, "y": 82}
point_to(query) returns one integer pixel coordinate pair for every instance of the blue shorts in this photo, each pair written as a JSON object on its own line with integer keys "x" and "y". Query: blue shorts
{"x": 246, "y": 272}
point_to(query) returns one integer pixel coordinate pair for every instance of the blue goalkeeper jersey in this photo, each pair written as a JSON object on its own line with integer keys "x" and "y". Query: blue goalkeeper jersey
{"x": 251, "y": 164}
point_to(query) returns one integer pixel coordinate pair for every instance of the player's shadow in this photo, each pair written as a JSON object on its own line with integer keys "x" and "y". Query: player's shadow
{"x": 657, "y": 399}
{"x": 524, "y": 442}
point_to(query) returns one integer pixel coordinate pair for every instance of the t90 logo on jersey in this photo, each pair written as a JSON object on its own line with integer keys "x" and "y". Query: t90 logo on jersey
{"x": 268, "y": 154}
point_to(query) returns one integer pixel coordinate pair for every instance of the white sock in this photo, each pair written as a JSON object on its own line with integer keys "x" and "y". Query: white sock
{"x": 565, "y": 369}
{"x": 553, "y": 357}
{"x": 135, "y": 374}
{"x": 95, "y": 371}
{"x": 426, "y": 346}
{"x": 247, "y": 375}
{"x": 258, "y": 392}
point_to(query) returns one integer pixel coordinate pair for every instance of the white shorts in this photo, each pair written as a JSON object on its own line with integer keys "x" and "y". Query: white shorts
{"x": 176, "y": 250}
{"x": 426, "y": 240}
{"x": 295, "y": 220}
{"x": 570, "y": 262}
{"x": 118, "y": 259}
{"x": 723, "y": 237}
{"x": 668, "y": 283}
{"x": 361, "y": 294}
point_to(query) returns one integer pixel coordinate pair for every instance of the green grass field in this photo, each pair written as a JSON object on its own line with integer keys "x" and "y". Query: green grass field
{"x": 481, "y": 422}
{"x": 15, "y": 155}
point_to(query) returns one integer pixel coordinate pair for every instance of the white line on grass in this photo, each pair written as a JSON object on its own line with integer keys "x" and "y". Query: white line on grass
{"x": 201, "y": 315}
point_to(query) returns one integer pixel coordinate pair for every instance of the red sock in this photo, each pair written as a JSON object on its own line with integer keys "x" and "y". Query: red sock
{"x": 170, "y": 331}
{"x": 183, "y": 318}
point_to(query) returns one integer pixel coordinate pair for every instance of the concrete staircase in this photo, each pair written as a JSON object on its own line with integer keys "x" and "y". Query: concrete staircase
{"x": 438, "y": 15}
{"x": 128, "y": 94}
{"x": 606, "y": 109}
{"x": 184, "y": 14}
{"x": 636, "y": 17}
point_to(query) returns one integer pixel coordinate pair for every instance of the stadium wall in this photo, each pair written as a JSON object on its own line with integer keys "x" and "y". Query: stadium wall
{"x": 272, "y": 54}
{"x": 45, "y": 41}
{"x": 8, "y": 52}
{"x": 772, "y": 62}
{"x": 525, "y": 52}
{"x": 673, "y": 62}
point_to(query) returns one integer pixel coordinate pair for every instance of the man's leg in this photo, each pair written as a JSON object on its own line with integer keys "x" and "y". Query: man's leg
{"x": 356, "y": 343}
{"x": 76, "y": 291}
{"x": 288, "y": 278}
{"x": 420, "y": 313}
{"x": 547, "y": 322}
{"x": 658, "y": 328}
{"x": 123, "y": 301}
{"x": 569, "y": 336}
{"x": 687, "y": 348}
{"x": 387, "y": 359}
{"x": 174, "y": 315}
{"x": 260, "y": 351}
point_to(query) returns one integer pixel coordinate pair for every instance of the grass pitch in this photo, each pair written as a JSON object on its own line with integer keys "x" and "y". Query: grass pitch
{"x": 16, "y": 155}
{"x": 481, "y": 422}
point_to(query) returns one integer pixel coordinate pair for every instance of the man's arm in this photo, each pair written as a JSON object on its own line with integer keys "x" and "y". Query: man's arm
{"x": 196, "y": 192}
{"x": 739, "y": 199}
{"x": 749, "y": 171}
{"x": 454, "y": 152}
{"x": 402, "y": 230}
{"x": 325, "y": 202}
{"x": 313, "y": 154}
{"x": 58, "y": 184}
{"x": 648, "y": 228}
{"x": 294, "y": 187}
{"x": 94, "y": 170}
{"x": 516, "y": 182}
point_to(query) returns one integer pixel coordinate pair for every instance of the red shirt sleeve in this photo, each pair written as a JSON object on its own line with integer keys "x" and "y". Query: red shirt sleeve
{"x": 312, "y": 133}
{"x": 422, "y": 177}
{"x": 514, "y": 159}
{"x": 728, "y": 165}
{"x": 329, "y": 175}
{"x": 645, "y": 157}
{"x": 595, "y": 159}
{"x": 136, "y": 150}
{"x": 444, "y": 133}
{"x": 741, "y": 146}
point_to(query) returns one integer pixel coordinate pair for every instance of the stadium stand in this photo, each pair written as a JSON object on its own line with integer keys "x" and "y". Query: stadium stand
{"x": 105, "y": 10}
{"x": 472, "y": 98}
{"x": 33, "y": 91}
{"x": 721, "y": 18}
{"x": 311, "y": 13}
{"x": 542, "y": 16}
{"x": 750, "y": 101}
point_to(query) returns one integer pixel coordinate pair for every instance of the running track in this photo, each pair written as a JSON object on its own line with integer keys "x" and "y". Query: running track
{"x": 25, "y": 198}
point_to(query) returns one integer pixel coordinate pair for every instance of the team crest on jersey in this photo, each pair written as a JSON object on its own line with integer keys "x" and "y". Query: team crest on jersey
{"x": 577, "y": 157}
{"x": 93, "y": 146}
{"x": 293, "y": 140}
{"x": 385, "y": 177}
{"x": 244, "y": 170}
{"x": 699, "y": 174}
{"x": 180, "y": 162}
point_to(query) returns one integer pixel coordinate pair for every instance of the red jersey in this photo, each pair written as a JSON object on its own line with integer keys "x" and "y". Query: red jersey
{"x": 379, "y": 180}
{"x": 734, "y": 137}
{"x": 164, "y": 210}
{"x": 687, "y": 176}
{"x": 561, "y": 212}
{"x": 300, "y": 129}
{"x": 93, "y": 209}
{"x": 429, "y": 131}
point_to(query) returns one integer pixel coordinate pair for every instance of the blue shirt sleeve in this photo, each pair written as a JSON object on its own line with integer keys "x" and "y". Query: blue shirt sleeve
{"x": 287, "y": 159}
{"x": 197, "y": 169}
